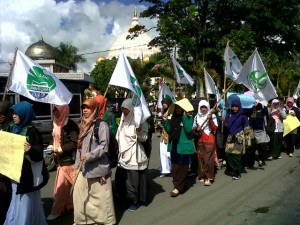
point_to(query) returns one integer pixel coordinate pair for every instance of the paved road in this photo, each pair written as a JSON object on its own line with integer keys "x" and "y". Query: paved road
{"x": 268, "y": 196}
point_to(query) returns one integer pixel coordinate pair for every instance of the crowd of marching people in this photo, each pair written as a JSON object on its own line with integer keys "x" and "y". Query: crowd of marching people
{"x": 216, "y": 136}
{"x": 226, "y": 136}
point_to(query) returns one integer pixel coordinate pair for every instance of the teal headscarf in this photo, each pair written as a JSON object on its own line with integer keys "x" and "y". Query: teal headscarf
{"x": 26, "y": 114}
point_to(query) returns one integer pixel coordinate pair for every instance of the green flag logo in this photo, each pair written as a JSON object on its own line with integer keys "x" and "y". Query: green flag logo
{"x": 167, "y": 96}
{"x": 135, "y": 97}
{"x": 257, "y": 82}
{"x": 39, "y": 83}
{"x": 180, "y": 72}
{"x": 170, "y": 97}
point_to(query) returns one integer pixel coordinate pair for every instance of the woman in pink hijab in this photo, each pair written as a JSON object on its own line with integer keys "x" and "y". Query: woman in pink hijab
{"x": 65, "y": 137}
{"x": 277, "y": 115}
{"x": 290, "y": 138}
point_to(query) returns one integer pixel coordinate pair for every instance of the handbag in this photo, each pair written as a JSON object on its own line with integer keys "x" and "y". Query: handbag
{"x": 270, "y": 128}
{"x": 249, "y": 136}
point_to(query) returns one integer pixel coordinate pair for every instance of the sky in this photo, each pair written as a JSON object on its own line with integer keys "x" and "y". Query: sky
{"x": 89, "y": 25}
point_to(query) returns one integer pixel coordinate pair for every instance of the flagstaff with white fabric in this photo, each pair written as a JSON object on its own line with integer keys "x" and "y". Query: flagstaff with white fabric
{"x": 33, "y": 81}
{"x": 123, "y": 76}
{"x": 182, "y": 76}
{"x": 255, "y": 77}
{"x": 297, "y": 91}
{"x": 165, "y": 92}
{"x": 233, "y": 65}
{"x": 210, "y": 85}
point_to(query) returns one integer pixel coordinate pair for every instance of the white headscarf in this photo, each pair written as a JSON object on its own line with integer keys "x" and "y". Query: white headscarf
{"x": 200, "y": 118}
{"x": 126, "y": 134}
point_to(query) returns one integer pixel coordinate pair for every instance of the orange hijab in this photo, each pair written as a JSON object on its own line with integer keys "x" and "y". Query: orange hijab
{"x": 58, "y": 123}
{"x": 86, "y": 123}
{"x": 102, "y": 101}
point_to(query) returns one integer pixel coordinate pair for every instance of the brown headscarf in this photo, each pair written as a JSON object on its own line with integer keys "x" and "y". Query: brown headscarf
{"x": 102, "y": 101}
{"x": 86, "y": 123}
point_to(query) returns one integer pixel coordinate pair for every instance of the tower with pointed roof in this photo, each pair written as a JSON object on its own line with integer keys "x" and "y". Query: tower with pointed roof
{"x": 133, "y": 48}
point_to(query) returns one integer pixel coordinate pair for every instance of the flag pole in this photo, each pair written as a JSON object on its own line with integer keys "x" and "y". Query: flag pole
{"x": 224, "y": 88}
{"x": 106, "y": 91}
{"x": 174, "y": 90}
{"x": 215, "y": 106}
{"x": 205, "y": 83}
{"x": 9, "y": 75}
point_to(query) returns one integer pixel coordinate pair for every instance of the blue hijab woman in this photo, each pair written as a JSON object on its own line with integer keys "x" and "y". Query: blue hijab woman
{"x": 234, "y": 150}
{"x": 26, "y": 205}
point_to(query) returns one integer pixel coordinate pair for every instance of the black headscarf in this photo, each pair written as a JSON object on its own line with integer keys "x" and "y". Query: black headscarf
{"x": 167, "y": 101}
{"x": 4, "y": 109}
{"x": 175, "y": 127}
{"x": 257, "y": 120}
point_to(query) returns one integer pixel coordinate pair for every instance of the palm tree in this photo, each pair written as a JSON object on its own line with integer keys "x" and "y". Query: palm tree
{"x": 67, "y": 55}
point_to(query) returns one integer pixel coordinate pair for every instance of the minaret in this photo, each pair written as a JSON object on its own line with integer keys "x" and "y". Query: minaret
{"x": 135, "y": 19}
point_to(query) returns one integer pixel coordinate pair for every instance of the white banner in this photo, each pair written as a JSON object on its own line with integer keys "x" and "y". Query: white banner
{"x": 123, "y": 76}
{"x": 34, "y": 82}
{"x": 165, "y": 92}
{"x": 255, "y": 77}
{"x": 210, "y": 85}
{"x": 182, "y": 77}
{"x": 233, "y": 65}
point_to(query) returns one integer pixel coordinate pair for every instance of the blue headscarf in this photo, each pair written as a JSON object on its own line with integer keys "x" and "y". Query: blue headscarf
{"x": 235, "y": 120}
{"x": 26, "y": 114}
{"x": 222, "y": 104}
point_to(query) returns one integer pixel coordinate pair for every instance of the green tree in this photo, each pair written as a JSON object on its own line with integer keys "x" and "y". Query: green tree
{"x": 157, "y": 66}
{"x": 201, "y": 28}
{"x": 102, "y": 74}
{"x": 67, "y": 55}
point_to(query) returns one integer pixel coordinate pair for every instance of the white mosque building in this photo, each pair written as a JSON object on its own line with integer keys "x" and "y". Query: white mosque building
{"x": 134, "y": 48}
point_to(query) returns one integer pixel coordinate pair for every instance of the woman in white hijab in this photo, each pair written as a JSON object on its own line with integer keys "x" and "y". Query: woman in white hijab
{"x": 205, "y": 122}
{"x": 130, "y": 175}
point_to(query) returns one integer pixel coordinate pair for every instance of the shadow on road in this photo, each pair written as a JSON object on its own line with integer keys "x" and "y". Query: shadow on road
{"x": 66, "y": 218}
{"x": 153, "y": 190}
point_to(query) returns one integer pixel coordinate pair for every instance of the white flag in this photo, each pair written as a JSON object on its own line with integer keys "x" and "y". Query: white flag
{"x": 123, "y": 76}
{"x": 297, "y": 91}
{"x": 33, "y": 81}
{"x": 210, "y": 85}
{"x": 233, "y": 65}
{"x": 165, "y": 92}
{"x": 255, "y": 77}
{"x": 182, "y": 77}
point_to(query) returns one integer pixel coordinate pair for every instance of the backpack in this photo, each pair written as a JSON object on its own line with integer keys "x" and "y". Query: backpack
{"x": 151, "y": 126}
{"x": 271, "y": 126}
{"x": 147, "y": 145}
{"x": 113, "y": 148}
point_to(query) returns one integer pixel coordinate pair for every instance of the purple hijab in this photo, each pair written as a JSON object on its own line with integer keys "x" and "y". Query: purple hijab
{"x": 235, "y": 121}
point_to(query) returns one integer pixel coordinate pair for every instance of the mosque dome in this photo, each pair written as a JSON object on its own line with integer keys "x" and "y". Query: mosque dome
{"x": 100, "y": 58}
{"x": 135, "y": 48}
{"x": 40, "y": 50}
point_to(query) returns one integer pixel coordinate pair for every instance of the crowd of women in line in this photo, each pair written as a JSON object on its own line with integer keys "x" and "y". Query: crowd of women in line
{"x": 234, "y": 138}
{"x": 83, "y": 179}
{"x": 204, "y": 141}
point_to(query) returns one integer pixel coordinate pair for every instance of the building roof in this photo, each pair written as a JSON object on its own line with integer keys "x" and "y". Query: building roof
{"x": 133, "y": 48}
{"x": 40, "y": 50}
